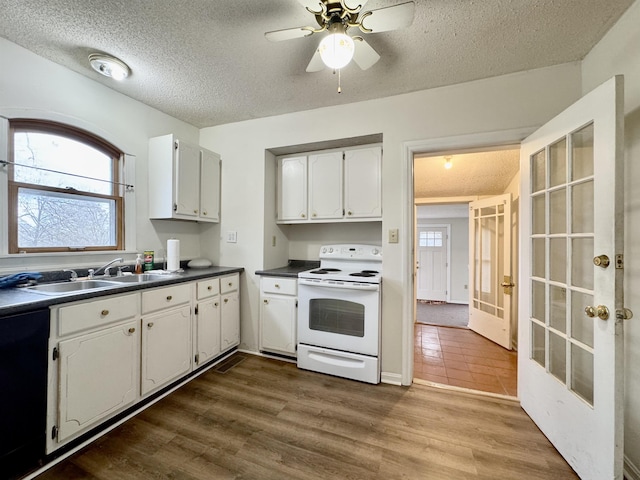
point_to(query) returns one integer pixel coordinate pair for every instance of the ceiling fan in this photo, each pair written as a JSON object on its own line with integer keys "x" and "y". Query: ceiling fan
{"x": 336, "y": 17}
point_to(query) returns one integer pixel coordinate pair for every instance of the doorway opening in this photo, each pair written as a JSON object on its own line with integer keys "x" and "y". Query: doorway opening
{"x": 460, "y": 266}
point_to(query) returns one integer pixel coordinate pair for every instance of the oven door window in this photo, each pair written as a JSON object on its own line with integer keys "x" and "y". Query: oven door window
{"x": 336, "y": 316}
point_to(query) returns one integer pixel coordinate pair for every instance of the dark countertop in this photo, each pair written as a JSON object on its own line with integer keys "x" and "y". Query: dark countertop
{"x": 18, "y": 300}
{"x": 293, "y": 268}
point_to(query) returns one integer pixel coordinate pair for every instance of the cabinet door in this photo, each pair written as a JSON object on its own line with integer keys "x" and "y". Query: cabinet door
{"x": 230, "y": 318}
{"x": 325, "y": 186}
{"x": 166, "y": 347}
{"x": 187, "y": 172}
{"x": 278, "y": 330}
{"x": 209, "y": 186}
{"x": 98, "y": 376}
{"x": 363, "y": 182}
{"x": 292, "y": 188}
{"x": 208, "y": 330}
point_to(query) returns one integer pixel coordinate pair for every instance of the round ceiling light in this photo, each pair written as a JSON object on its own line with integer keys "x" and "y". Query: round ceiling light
{"x": 336, "y": 50}
{"x": 109, "y": 66}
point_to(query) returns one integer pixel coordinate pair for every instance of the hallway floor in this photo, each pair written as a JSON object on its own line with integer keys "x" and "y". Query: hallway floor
{"x": 462, "y": 358}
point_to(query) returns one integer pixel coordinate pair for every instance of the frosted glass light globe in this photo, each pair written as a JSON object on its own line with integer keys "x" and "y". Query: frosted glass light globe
{"x": 336, "y": 50}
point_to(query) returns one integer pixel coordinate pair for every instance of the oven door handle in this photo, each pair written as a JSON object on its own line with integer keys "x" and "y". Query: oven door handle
{"x": 341, "y": 285}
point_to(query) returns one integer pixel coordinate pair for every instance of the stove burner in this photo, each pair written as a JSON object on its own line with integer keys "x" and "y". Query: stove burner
{"x": 324, "y": 271}
{"x": 364, "y": 273}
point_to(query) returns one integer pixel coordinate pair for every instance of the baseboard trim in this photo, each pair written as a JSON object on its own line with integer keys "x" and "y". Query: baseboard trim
{"x": 391, "y": 378}
{"x": 631, "y": 472}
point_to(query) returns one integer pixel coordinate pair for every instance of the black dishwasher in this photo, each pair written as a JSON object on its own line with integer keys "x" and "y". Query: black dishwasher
{"x": 23, "y": 391}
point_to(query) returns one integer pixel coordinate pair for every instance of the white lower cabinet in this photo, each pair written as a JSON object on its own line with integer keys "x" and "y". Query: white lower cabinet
{"x": 107, "y": 354}
{"x": 278, "y": 315}
{"x": 98, "y": 376}
{"x": 230, "y": 312}
{"x": 166, "y": 347}
{"x": 207, "y": 326}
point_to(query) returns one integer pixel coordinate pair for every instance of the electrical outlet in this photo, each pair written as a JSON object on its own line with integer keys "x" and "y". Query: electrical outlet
{"x": 393, "y": 235}
{"x": 466, "y": 287}
{"x": 232, "y": 237}
{"x": 273, "y": 241}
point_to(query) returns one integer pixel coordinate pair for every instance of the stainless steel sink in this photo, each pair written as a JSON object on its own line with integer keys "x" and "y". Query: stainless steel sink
{"x": 69, "y": 287}
{"x": 141, "y": 278}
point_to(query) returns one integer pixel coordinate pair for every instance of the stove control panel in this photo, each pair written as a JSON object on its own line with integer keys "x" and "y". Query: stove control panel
{"x": 352, "y": 252}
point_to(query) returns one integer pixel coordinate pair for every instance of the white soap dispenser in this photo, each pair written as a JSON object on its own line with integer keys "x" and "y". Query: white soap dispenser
{"x": 139, "y": 263}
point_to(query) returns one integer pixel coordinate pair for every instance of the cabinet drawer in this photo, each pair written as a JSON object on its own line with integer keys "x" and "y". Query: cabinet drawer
{"x": 283, "y": 286}
{"x": 208, "y": 288}
{"x": 161, "y": 298}
{"x": 229, "y": 283}
{"x": 84, "y": 316}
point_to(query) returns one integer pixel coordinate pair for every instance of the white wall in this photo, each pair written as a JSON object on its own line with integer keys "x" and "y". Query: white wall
{"x": 33, "y": 87}
{"x": 459, "y": 255}
{"x": 515, "y": 101}
{"x": 619, "y": 53}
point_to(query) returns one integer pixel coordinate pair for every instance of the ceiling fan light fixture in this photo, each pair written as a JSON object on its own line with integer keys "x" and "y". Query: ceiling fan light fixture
{"x": 109, "y": 66}
{"x": 447, "y": 163}
{"x": 336, "y": 50}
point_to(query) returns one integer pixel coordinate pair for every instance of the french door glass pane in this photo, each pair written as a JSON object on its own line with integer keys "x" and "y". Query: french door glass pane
{"x": 558, "y": 211}
{"x": 581, "y": 324}
{"x": 537, "y": 343}
{"x": 558, "y": 163}
{"x": 537, "y": 301}
{"x": 582, "y": 152}
{"x": 538, "y": 257}
{"x": 582, "y": 262}
{"x": 582, "y": 372}
{"x": 558, "y": 259}
{"x": 488, "y": 249}
{"x": 558, "y": 308}
{"x": 538, "y": 171}
{"x": 538, "y": 215}
{"x": 557, "y": 357}
{"x": 582, "y": 212}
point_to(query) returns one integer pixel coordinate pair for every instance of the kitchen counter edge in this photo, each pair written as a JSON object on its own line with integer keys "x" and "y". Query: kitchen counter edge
{"x": 17, "y": 300}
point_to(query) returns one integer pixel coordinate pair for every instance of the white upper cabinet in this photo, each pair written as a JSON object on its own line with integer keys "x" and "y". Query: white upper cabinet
{"x": 332, "y": 186}
{"x": 292, "y": 189}
{"x": 184, "y": 181}
{"x": 325, "y": 186}
{"x": 363, "y": 183}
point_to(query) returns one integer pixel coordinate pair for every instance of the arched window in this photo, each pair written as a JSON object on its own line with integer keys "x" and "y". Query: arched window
{"x": 64, "y": 189}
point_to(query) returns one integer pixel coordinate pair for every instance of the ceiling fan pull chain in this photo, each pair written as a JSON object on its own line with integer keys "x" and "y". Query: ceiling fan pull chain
{"x": 339, "y": 87}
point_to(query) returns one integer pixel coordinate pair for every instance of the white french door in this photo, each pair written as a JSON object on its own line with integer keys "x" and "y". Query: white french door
{"x": 433, "y": 272}
{"x": 570, "y": 365}
{"x": 490, "y": 269}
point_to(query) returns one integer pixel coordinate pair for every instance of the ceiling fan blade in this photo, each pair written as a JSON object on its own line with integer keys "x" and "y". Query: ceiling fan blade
{"x": 288, "y": 34}
{"x": 364, "y": 55}
{"x": 313, "y": 5}
{"x": 316, "y": 64}
{"x": 388, "y": 18}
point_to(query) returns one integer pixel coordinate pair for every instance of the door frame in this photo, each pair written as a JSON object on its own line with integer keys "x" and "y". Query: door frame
{"x": 447, "y": 227}
{"x": 486, "y": 140}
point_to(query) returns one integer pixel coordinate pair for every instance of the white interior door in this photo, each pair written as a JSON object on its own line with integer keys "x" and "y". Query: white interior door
{"x": 432, "y": 263}
{"x": 490, "y": 269}
{"x": 570, "y": 366}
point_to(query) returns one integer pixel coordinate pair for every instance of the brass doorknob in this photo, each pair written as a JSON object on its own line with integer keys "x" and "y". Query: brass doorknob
{"x": 600, "y": 311}
{"x": 601, "y": 261}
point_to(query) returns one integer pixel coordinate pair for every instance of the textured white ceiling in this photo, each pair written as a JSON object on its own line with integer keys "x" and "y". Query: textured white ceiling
{"x": 207, "y": 61}
{"x": 481, "y": 173}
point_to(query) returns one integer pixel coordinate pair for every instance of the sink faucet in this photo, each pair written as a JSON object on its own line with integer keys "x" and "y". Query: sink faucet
{"x": 105, "y": 267}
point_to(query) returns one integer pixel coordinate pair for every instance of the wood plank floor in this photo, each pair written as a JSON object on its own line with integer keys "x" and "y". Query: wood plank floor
{"x": 266, "y": 419}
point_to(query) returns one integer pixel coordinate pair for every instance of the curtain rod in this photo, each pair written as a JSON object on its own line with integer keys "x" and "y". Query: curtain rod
{"x": 4, "y": 163}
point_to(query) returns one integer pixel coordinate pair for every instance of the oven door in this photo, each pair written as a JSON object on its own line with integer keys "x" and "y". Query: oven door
{"x": 339, "y": 315}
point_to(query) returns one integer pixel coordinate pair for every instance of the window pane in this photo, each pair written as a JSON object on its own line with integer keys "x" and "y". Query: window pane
{"x": 582, "y": 152}
{"x": 47, "y": 219}
{"x": 558, "y": 308}
{"x": 54, "y": 152}
{"x": 582, "y": 372}
{"x": 558, "y": 163}
{"x": 557, "y": 357}
{"x": 537, "y": 343}
{"x": 581, "y": 324}
{"x": 538, "y": 171}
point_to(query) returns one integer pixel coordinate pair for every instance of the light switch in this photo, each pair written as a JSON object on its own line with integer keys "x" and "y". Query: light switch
{"x": 393, "y": 235}
{"x": 232, "y": 237}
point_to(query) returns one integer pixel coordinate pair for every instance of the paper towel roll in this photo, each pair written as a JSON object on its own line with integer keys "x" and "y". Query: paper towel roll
{"x": 173, "y": 254}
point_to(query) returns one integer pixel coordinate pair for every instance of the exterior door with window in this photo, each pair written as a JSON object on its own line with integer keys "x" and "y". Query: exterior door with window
{"x": 432, "y": 263}
{"x": 490, "y": 269}
{"x": 570, "y": 366}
